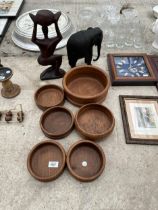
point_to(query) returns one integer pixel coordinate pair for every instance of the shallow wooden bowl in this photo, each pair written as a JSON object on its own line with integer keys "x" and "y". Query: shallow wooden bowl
{"x": 57, "y": 122}
{"x": 85, "y": 160}
{"x": 46, "y": 161}
{"x": 49, "y": 96}
{"x": 94, "y": 121}
{"x": 86, "y": 84}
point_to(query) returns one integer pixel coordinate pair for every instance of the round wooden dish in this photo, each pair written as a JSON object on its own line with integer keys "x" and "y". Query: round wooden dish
{"x": 49, "y": 96}
{"x": 86, "y": 84}
{"x": 46, "y": 161}
{"x": 57, "y": 122}
{"x": 85, "y": 160}
{"x": 94, "y": 121}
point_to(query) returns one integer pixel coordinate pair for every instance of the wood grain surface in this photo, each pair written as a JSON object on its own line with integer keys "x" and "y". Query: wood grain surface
{"x": 86, "y": 160}
{"x": 57, "y": 122}
{"x": 49, "y": 96}
{"x": 86, "y": 84}
{"x": 94, "y": 121}
{"x": 39, "y": 158}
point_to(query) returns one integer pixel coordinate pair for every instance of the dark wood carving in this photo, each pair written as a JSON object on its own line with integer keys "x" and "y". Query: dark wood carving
{"x": 48, "y": 45}
{"x": 80, "y": 45}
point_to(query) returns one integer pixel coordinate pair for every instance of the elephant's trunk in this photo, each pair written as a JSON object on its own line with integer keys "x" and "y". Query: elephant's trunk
{"x": 98, "y": 47}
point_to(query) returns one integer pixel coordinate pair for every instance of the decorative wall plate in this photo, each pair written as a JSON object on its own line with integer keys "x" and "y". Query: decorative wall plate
{"x": 22, "y": 34}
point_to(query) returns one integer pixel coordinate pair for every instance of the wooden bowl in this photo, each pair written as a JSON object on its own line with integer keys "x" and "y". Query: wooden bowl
{"x": 49, "y": 96}
{"x": 85, "y": 160}
{"x": 46, "y": 161}
{"x": 94, "y": 121}
{"x": 86, "y": 84}
{"x": 57, "y": 122}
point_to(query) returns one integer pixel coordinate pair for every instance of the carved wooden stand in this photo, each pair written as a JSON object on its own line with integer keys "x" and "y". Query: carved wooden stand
{"x": 9, "y": 89}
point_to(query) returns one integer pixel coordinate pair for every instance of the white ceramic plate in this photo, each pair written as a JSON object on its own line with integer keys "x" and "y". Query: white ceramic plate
{"x": 22, "y": 34}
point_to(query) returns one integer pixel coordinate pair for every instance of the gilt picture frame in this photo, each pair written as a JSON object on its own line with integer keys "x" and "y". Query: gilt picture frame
{"x": 140, "y": 119}
{"x": 130, "y": 69}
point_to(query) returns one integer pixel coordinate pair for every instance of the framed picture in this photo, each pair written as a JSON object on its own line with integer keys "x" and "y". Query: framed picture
{"x": 140, "y": 119}
{"x": 10, "y": 8}
{"x": 131, "y": 69}
{"x": 3, "y": 25}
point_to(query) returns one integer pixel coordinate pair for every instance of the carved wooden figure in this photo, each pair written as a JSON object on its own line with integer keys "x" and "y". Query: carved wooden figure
{"x": 48, "y": 45}
{"x": 80, "y": 45}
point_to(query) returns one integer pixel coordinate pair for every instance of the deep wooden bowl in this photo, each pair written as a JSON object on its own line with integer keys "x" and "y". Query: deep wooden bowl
{"x": 94, "y": 121}
{"x": 86, "y": 84}
{"x": 46, "y": 161}
{"x": 85, "y": 160}
{"x": 49, "y": 96}
{"x": 57, "y": 122}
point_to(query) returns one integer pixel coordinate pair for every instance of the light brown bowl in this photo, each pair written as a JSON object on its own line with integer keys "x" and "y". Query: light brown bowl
{"x": 85, "y": 160}
{"x": 46, "y": 161}
{"x": 86, "y": 84}
{"x": 49, "y": 96}
{"x": 57, "y": 122}
{"x": 94, "y": 121}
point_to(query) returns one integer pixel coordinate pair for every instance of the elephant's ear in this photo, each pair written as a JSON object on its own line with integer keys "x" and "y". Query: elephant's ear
{"x": 90, "y": 28}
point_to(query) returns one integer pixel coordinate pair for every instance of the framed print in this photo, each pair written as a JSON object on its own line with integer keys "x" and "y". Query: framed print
{"x": 154, "y": 63}
{"x": 140, "y": 119}
{"x": 3, "y": 25}
{"x": 10, "y": 8}
{"x": 131, "y": 69}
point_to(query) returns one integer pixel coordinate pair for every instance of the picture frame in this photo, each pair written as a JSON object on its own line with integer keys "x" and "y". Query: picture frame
{"x": 140, "y": 119}
{"x": 10, "y": 8}
{"x": 3, "y": 26}
{"x": 131, "y": 69}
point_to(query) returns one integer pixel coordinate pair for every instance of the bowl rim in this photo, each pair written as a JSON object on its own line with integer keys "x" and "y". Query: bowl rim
{"x": 85, "y": 97}
{"x": 100, "y": 150}
{"x": 45, "y": 87}
{"x": 50, "y": 178}
{"x": 83, "y": 132}
{"x": 58, "y": 108}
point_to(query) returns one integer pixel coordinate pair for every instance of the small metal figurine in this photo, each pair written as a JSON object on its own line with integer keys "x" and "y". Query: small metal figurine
{"x": 9, "y": 89}
{"x": 80, "y": 45}
{"x": 48, "y": 45}
{"x": 12, "y": 115}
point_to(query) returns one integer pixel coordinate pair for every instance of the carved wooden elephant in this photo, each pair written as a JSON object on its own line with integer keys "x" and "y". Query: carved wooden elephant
{"x": 80, "y": 45}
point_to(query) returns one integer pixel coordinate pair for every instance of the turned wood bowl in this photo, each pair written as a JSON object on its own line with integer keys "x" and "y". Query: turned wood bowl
{"x": 49, "y": 96}
{"x": 94, "y": 121}
{"x": 86, "y": 84}
{"x": 57, "y": 122}
{"x": 85, "y": 160}
{"x": 46, "y": 161}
